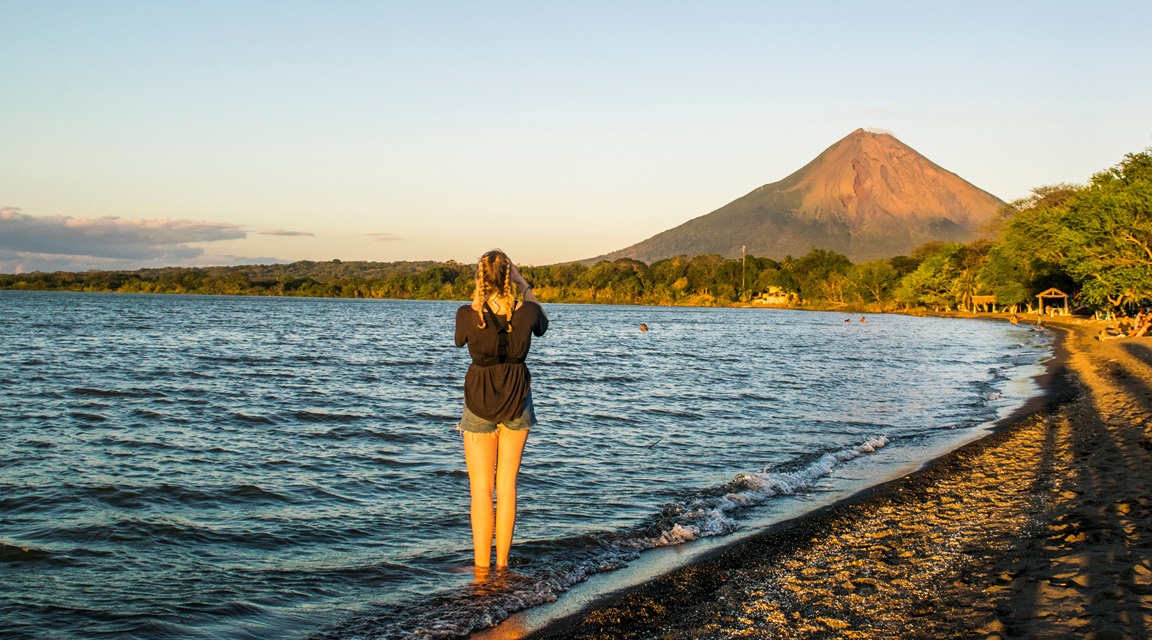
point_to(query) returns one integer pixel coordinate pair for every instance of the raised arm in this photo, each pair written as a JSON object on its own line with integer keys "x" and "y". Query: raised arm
{"x": 525, "y": 288}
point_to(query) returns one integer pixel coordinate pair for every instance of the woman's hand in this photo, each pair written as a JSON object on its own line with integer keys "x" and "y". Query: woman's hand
{"x": 518, "y": 279}
{"x": 524, "y": 288}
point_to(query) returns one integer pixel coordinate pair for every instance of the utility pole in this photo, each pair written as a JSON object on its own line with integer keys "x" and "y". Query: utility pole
{"x": 743, "y": 259}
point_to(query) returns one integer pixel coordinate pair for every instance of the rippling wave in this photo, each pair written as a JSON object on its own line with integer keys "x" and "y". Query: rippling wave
{"x": 210, "y": 467}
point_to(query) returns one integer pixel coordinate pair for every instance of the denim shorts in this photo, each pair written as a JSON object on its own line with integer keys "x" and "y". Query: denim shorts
{"x": 472, "y": 423}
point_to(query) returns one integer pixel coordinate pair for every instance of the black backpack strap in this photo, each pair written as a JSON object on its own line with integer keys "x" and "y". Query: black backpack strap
{"x": 502, "y": 328}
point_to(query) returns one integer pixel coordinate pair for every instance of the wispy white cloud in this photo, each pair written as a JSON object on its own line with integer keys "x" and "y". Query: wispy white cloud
{"x": 49, "y": 243}
{"x": 282, "y": 232}
{"x": 27, "y": 262}
{"x": 384, "y": 237}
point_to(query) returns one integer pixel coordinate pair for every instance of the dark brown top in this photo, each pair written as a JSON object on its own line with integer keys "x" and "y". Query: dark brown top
{"x": 497, "y": 392}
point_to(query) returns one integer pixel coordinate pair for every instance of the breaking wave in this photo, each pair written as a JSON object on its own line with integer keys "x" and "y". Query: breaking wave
{"x": 558, "y": 565}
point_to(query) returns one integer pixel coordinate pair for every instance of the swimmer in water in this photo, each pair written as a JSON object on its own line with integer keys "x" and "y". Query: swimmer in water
{"x": 863, "y": 319}
{"x": 643, "y": 327}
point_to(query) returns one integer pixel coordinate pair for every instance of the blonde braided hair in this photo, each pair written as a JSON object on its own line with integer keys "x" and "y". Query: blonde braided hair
{"x": 494, "y": 280}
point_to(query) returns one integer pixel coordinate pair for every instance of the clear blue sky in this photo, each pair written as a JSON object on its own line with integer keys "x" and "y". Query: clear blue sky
{"x": 227, "y": 132}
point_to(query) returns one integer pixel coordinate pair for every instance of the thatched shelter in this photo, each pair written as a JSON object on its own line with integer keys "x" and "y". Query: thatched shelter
{"x": 1052, "y": 294}
{"x": 988, "y": 302}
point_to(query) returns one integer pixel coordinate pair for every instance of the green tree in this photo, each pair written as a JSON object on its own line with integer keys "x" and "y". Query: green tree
{"x": 874, "y": 281}
{"x": 1107, "y": 244}
{"x": 821, "y": 273}
{"x": 932, "y": 283}
{"x": 1030, "y": 254}
{"x": 904, "y": 264}
{"x": 702, "y": 273}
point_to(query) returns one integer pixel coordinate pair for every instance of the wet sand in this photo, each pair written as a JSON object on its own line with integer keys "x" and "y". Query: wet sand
{"x": 1042, "y": 529}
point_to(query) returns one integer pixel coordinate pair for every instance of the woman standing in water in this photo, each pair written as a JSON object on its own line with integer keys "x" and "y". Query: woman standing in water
{"x": 498, "y": 411}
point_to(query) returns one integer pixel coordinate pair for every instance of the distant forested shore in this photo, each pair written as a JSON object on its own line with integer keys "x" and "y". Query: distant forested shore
{"x": 1093, "y": 242}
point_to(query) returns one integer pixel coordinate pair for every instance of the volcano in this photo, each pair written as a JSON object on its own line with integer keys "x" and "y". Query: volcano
{"x": 868, "y": 196}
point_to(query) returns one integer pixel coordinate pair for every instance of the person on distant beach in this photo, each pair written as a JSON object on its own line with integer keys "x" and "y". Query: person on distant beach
{"x": 1014, "y": 319}
{"x": 1143, "y": 324}
{"x": 498, "y": 409}
{"x": 1125, "y": 326}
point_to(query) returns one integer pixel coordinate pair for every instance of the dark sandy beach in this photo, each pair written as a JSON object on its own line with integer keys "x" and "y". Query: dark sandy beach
{"x": 1042, "y": 529}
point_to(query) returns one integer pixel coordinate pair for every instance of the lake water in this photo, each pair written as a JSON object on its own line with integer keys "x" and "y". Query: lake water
{"x": 226, "y": 467}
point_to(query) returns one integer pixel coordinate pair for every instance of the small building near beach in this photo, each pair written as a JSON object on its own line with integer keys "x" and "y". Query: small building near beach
{"x": 775, "y": 295}
{"x": 1052, "y": 294}
{"x": 988, "y": 302}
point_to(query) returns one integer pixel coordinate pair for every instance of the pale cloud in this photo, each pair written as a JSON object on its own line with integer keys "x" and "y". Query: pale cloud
{"x": 282, "y": 232}
{"x": 67, "y": 243}
{"x": 28, "y": 262}
{"x": 384, "y": 237}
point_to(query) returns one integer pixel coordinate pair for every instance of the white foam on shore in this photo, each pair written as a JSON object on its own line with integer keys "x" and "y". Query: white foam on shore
{"x": 706, "y": 517}
{"x": 703, "y": 517}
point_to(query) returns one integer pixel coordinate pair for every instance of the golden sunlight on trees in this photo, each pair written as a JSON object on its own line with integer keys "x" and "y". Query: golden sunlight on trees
{"x": 1093, "y": 241}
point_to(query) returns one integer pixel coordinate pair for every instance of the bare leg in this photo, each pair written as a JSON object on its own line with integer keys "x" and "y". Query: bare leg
{"x": 507, "y": 467}
{"x": 480, "y": 457}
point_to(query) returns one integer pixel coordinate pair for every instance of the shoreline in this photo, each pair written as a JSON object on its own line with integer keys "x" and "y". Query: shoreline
{"x": 817, "y": 306}
{"x": 1041, "y": 528}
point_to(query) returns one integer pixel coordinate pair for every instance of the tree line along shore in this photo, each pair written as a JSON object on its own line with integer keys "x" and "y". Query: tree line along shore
{"x": 1091, "y": 241}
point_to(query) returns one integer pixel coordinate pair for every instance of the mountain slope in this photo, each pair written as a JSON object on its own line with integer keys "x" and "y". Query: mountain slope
{"x": 868, "y": 196}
